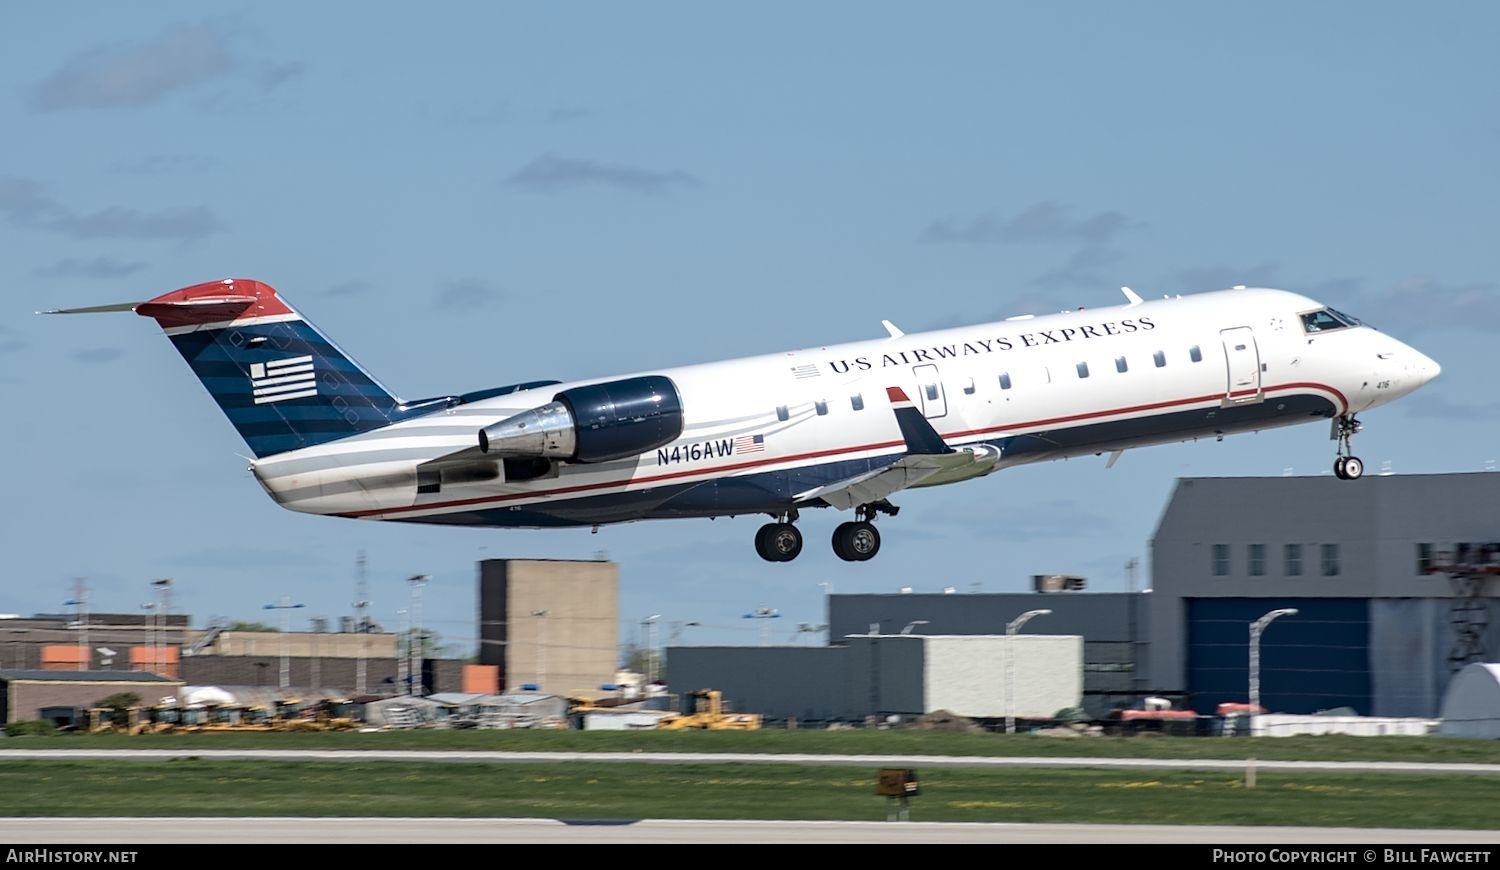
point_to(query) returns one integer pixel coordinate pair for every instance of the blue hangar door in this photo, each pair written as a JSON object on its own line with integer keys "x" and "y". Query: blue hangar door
{"x": 1315, "y": 660}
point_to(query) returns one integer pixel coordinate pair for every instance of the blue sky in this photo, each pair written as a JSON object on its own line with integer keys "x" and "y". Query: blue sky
{"x": 474, "y": 194}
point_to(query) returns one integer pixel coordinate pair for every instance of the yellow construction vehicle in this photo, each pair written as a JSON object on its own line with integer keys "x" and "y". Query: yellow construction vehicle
{"x": 705, "y": 711}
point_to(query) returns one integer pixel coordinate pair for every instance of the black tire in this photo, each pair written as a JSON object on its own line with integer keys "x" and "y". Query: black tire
{"x": 1353, "y": 468}
{"x": 761, "y": 547}
{"x": 778, "y": 542}
{"x": 1338, "y": 469}
{"x": 841, "y": 537}
{"x": 856, "y": 542}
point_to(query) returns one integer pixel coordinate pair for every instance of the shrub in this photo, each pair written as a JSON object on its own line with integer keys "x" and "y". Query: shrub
{"x": 26, "y": 728}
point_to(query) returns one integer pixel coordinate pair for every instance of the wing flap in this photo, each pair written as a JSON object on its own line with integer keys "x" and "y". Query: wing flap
{"x": 908, "y": 471}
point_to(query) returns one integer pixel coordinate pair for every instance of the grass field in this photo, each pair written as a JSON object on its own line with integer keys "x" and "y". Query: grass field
{"x": 853, "y": 742}
{"x": 196, "y": 786}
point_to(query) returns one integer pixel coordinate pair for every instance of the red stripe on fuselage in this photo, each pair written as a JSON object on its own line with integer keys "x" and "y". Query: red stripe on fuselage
{"x": 820, "y": 454}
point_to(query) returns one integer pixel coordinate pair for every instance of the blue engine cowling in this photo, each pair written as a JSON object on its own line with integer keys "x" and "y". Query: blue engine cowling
{"x": 593, "y": 423}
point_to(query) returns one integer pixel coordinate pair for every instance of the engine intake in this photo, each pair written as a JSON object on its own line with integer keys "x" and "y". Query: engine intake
{"x": 593, "y": 423}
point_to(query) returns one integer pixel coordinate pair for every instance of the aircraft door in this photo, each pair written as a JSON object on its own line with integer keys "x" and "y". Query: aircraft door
{"x": 1242, "y": 360}
{"x": 930, "y": 388}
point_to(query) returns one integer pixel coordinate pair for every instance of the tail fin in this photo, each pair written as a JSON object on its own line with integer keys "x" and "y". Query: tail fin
{"x": 279, "y": 380}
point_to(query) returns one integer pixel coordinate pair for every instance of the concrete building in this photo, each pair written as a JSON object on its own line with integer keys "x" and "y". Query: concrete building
{"x": 170, "y": 646}
{"x": 26, "y": 694}
{"x": 880, "y": 675}
{"x": 551, "y": 624}
{"x": 383, "y": 676}
{"x": 1112, "y": 625}
{"x": 95, "y": 641}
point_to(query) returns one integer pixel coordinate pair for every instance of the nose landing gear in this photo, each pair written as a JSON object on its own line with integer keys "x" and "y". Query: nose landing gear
{"x": 1347, "y": 466}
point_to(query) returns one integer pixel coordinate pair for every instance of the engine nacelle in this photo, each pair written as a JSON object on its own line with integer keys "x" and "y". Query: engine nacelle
{"x": 594, "y": 423}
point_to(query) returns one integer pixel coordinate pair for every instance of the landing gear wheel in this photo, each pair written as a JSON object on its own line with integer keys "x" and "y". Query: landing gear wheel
{"x": 778, "y": 542}
{"x": 856, "y": 542}
{"x": 1353, "y": 468}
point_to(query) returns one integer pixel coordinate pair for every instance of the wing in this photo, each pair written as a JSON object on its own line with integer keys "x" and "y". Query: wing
{"x": 928, "y": 461}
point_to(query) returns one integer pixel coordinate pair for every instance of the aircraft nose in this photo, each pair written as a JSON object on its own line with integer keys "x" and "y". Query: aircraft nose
{"x": 1423, "y": 367}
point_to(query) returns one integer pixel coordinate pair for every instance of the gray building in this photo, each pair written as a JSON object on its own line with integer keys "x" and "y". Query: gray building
{"x": 1381, "y": 626}
{"x": 1112, "y": 624}
{"x": 1393, "y": 578}
{"x": 880, "y": 675}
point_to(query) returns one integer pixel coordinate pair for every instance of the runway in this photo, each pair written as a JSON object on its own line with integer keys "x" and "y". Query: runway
{"x": 22, "y": 833}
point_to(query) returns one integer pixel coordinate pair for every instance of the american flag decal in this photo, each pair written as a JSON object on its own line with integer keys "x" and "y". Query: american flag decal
{"x": 808, "y": 371}
{"x": 750, "y": 444}
{"x": 282, "y": 379}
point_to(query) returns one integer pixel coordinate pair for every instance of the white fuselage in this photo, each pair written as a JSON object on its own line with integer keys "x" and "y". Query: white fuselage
{"x": 760, "y": 430}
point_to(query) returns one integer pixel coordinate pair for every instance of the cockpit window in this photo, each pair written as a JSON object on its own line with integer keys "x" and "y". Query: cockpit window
{"x": 1325, "y": 320}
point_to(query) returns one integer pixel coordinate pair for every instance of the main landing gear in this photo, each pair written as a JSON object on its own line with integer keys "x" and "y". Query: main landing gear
{"x": 855, "y": 541}
{"x": 779, "y": 541}
{"x": 1347, "y": 466}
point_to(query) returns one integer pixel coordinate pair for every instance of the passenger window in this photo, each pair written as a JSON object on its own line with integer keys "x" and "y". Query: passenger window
{"x": 969, "y": 387}
{"x": 1005, "y": 380}
{"x": 1120, "y": 365}
{"x": 1160, "y": 358}
{"x": 1083, "y": 370}
{"x": 1195, "y": 354}
{"x": 781, "y": 413}
{"x": 821, "y": 406}
{"x": 857, "y": 402}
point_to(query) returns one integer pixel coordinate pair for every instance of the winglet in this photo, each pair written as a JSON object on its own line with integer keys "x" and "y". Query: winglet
{"x": 1131, "y": 295}
{"x": 891, "y": 328}
{"x": 919, "y": 435}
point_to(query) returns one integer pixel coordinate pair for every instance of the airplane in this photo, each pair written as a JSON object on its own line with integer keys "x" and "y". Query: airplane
{"x": 844, "y": 426}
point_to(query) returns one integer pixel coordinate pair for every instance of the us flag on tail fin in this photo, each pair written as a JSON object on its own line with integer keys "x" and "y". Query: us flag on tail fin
{"x": 282, "y": 379}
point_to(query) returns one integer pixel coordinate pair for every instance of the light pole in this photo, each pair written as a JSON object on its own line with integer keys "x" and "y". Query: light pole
{"x": 764, "y": 613}
{"x": 541, "y": 647}
{"x": 163, "y": 606}
{"x": 913, "y": 624}
{"x": 163, "y": 599}
{"x": 417, "y": 582}
{"x": 150, "y": 608}
{"x": 403, "y": 685}
{"x": 649, "y": 624}
{"x": 286, "y": 607}
{"x": 80, "y": 600}
{"x": 1010, "y": 665}
{"x": 1256, "y": 628}
{"x": 677, "y": 628}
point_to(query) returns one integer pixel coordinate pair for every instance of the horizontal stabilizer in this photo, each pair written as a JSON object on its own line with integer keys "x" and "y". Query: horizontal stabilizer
{"x": 95, "y": 309}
